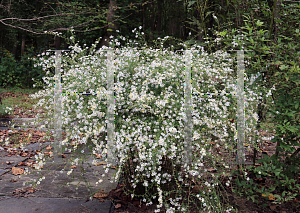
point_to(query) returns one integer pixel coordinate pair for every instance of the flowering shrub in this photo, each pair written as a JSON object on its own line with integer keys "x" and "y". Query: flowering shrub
{"x": 149, "y": 118}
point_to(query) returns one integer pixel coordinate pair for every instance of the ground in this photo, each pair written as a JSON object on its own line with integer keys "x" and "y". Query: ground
{"x": 122, "y": 202}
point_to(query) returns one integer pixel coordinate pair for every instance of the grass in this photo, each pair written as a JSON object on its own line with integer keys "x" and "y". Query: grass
{"x": 17, "y": 99}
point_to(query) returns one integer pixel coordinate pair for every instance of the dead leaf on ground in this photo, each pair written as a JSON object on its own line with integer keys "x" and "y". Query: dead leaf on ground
{"x": 9, "y": 162}
{"x": 98, "y": 155}
{"x": 118, "y": 206}
{"x": 73, "y": 166}
{"x": 273, "y": 207}
{"x": 13, "y": 180}
{"x": 49, "y": 147}
{"x": 17, "y": 171}
{"x": 21, "y": 164}
{"x": 211, "y": 169}
{"x": 101, "y": 163}
{"x": 100, "y": 194}
{"x": 30, "y": 190}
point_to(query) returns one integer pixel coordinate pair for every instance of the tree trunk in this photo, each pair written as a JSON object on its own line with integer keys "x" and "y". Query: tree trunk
{"x": 23, "y": 44}
{"x": 277, "y": 17}
{"x": 144, "y": 19}
{"x": 152, "y": 22}
{"x": 109, "y": 18}
{"x": 159, "y": 14}
{"x": 14, "y": 50}
{"x": 57, "y": 42}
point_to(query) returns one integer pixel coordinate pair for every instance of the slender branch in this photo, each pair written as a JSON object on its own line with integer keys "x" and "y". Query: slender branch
{"x": 43, "y": 17}
{"x": 97, "y": 28}
{"x": 21, "y": 28}
{"x": 56, "y": 29}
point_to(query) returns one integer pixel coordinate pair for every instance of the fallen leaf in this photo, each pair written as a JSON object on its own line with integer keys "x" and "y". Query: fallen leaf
{"x": 100, "y": 194}
{"x": 9, "y": 162}
{"x": 98, "y": 155}
{"x": 21, "y": 164}
{"x": 17, "y": 171}
{"x": 273, "y": 207}
{"x": 30, "y": 190}
{"x": 73, "y": 167}
{"x": 63, "y": 156}
{"x": 118, "y": 206}
{"x": 113, "y": 167}
{"x": 16, "y": 191}
{"x": 13, "y": 180}
{"x": 211, "y": 169}
{"x": 231, "y": 120}
{"x": 101, "y": 163}
{"x": 49, "y": 147}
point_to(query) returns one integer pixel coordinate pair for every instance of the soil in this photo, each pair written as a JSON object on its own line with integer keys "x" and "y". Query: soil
{"x": 124, "y": 204}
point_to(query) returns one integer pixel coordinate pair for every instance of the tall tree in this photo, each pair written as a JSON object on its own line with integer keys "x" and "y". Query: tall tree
{"x": 111, "y": 24}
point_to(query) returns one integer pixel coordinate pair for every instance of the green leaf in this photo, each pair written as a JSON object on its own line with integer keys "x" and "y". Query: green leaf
{"x": 223, "y": 33}
{"x": 259, "y": 23}
{"x": 283, "y": 67}
{"x": 190, "y": 3}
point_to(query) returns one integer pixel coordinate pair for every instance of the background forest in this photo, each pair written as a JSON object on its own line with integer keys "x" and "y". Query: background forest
{"x": 29, "y": 28}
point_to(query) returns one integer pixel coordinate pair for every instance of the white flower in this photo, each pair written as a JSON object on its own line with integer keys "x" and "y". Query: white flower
{"x": 173, "y": 130}
{"x": 140, "y": 27}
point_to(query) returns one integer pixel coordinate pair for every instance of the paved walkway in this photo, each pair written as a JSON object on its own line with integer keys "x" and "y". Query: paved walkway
{"x": 50, "y": 205}
{"x": 52, "y": 194}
